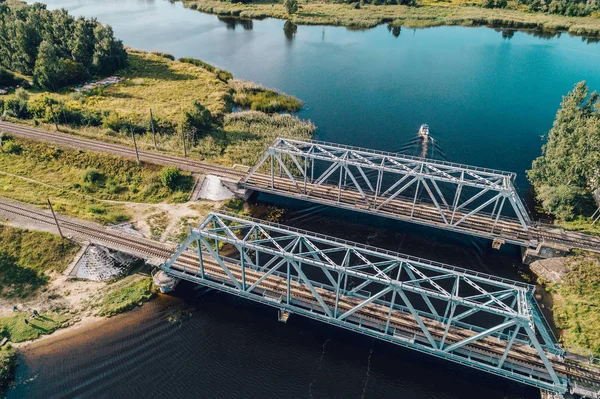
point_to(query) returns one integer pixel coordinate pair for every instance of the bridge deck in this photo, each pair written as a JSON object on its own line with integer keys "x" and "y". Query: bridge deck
{"x": 510, "y": 230}
{"x": 402, "y": 327}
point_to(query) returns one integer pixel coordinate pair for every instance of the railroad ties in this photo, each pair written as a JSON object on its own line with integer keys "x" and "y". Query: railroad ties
{"x": 477, "y": 320}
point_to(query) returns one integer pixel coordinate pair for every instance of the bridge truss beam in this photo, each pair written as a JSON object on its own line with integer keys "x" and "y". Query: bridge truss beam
{"x": 481, "y": 321}
{"x": 453, "y": 196}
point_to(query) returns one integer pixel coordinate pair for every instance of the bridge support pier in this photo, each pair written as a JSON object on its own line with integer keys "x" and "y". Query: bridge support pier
{"x": 543, "y": 251}
{"x": 284, "y": 315}
{"x": 164, "y": 282}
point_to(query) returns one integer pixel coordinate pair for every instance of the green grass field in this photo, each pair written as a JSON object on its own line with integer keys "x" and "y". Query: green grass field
{"x": 26, "y": 259}
{"x": 82, "y": 184}
{"x": 126, "y": 294}
{"x": 17, "y": 330}
{"x": 577, "y": 305}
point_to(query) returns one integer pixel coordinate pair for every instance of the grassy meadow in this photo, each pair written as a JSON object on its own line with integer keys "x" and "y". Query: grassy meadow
{"x": 429, "y": 13}
{"x": 577, "y": 305}
{"x": 169, "y": 88}
{"x": 83, "y": 184}
{"x": 125, "y": 294}
{"x": 27, "y": 258}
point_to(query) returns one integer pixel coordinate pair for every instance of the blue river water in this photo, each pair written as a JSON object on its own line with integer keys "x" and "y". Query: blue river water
{"x": 488, "y": 99}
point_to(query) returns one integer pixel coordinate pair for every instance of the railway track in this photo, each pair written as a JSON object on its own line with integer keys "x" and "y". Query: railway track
{"x": 398, "y": 208}
{"x": 519, "y": 355}
{"x": 426, "y": 214}
{"x": 153, "y": 157}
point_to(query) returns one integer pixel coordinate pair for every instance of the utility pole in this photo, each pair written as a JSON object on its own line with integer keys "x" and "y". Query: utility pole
{"x": 137, "y": 155}
{"x": 184, "y": 146}
{"x": 55, "y": 219}
{"x": 53, "y": 115}
{"x": 153, "y": 132}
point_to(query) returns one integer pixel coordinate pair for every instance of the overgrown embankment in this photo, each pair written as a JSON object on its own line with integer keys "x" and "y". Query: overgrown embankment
{"x": 8, "y": 362}
{"x": 85, "y": 184}
{"x": 577, "y": 304}
{"x": 425, "y": 13}
{"x": 190, "y": 103}
{"x": 27, "y": 258}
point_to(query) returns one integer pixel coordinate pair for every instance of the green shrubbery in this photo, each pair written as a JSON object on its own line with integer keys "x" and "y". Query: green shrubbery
{"x": 221, "y": 73}
{"x": 8, "y": 362}
{"x": 173, "y": 179}
{"x": 55, "y": 48}
{"x": 257, "y": 98}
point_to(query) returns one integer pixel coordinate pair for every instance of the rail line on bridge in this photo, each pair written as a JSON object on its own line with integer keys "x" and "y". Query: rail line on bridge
{"x": 460, "y": 198}
{"x": 426, "y": 306}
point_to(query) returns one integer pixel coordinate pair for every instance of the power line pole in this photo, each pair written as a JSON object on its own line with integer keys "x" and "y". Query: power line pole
{"x": 153, "y": 132}
{"x": 184, "y": 146}
{"x": 137, "y": 155}
{"x": 55, "y": 219}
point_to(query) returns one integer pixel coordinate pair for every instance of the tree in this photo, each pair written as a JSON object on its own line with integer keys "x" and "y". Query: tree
{"x": 569, "y": 168}
{"x": 71, "y": 50}
{"x": 291, "y": 6}
{"x": 46, "y": 73}
{"x": 197, "y": 121}
{"x": 170, "y": 177}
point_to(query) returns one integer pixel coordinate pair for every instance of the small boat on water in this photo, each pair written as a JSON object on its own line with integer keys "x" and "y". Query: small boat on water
{"x": 424, "y": 130}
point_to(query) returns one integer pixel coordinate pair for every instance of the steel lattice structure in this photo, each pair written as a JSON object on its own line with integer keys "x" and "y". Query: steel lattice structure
{"x": 477, "y": 201}
{"x": 485, "y": 322}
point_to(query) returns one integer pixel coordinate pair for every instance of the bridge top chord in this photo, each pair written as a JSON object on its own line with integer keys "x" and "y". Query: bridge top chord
{"x": 378, "y": 159}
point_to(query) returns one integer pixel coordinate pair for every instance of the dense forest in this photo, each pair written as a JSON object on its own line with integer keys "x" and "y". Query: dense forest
{"x": 568, "y": 171}
{"x": 55, "y": 48}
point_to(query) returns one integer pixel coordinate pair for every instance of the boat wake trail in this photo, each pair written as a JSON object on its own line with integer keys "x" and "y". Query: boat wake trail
{"x": 319, "y": 365}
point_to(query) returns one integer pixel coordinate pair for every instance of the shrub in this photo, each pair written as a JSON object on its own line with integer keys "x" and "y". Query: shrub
{"x": 10, "y": 147}
{"x": 21, "y": 94}
{"x": 93, "y": 176}
{"x": 163, "y": 55}
{"x": 112, "y": 121}
{"x": 170, "y": 177}
{"x": 291, "y": 6}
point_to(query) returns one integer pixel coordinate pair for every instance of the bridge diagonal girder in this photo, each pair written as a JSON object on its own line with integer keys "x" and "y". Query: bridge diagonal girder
{"x": 383, "y": 298}
{"x": 428, "y": 272}
{"x": 451, "y": 196}
{"x": 442, "y": 171}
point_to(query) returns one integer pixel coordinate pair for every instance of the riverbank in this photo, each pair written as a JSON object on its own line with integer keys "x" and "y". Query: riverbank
{"x": 430, "y": 13}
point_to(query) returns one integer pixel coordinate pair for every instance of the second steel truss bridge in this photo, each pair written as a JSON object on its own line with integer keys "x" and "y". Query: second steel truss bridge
{"x": 466, "y": 199}
{"x": 477, "y": 320}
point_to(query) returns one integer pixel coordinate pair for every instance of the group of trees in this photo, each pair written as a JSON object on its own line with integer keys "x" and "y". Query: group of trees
{"x": 568, "y": 171}
{"x": 55, "y": 48}
{"x": 571, "y": 8}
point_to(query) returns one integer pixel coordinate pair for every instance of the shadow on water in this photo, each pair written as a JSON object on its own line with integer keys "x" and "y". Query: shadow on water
{"x": 227, "y": 347}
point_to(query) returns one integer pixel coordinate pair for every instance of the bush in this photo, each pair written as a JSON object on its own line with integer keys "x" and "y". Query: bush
{"x": 291, "y": 6}
{"x": 93, "y": 176}
{"x": 10, "y": 147}
{"x": 170, "y": 177}
{"x": 112, "y": 121}
{"x": 163, "y": 55}
{"x": 197, "y": 121}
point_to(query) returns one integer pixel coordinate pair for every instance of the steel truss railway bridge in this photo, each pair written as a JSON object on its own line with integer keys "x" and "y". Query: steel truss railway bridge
{"x": 460, "y": 198}
{"x": 477, "y": 320}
